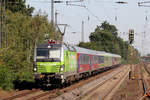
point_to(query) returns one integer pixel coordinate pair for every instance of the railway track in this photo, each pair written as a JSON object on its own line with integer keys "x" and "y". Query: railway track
{"x": 89, "y": 90}
{"x": 37, "y": 94}
{"x": 145, "y": 77}
{"x": 21, "y": 94}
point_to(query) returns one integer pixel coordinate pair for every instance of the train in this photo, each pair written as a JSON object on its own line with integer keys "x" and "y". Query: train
{"x": 58, "y": 63}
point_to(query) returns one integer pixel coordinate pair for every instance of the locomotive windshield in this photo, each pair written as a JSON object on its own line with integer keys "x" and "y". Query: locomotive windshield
{"x": 50, "y": 55}
{"x": 54, "y": 53}
{"x": 42, "y": 53}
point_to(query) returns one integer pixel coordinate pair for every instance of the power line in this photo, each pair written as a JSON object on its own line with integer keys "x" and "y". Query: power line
{"x": 69, "y": 3}
{"x": 92, "y": 14}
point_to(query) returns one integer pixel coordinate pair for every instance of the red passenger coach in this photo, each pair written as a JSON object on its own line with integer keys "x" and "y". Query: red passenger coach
{"x": 83, "y": 62}
{"x": 91, "y": 60}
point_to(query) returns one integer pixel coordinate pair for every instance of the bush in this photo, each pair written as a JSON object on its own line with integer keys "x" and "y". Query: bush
{"x": 5, "y": 78}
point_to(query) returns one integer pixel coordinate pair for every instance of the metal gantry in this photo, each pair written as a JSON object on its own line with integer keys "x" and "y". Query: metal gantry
{"x": 142, "y": 4}
{"x": 52, "y": 15}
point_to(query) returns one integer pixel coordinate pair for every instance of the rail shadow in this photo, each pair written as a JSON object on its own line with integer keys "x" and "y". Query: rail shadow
{"x": 25, "y": 85}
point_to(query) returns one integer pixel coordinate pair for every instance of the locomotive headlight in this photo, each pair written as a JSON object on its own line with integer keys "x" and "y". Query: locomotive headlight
{"x": 35, "y": 69}
{"x": 62, "y": 76}
{"x": 62, "y": 68}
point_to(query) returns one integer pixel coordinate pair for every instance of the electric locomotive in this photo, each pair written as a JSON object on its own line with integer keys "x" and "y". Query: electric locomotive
{"x": 57, "y": 63}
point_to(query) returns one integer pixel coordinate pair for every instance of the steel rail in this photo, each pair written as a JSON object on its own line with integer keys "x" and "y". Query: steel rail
{"x": 20, "y": 94}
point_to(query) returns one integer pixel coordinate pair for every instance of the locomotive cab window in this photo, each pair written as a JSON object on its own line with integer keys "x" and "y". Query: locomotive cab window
{"x": 48, "y": 55}
{"x": 54, "y": 53}
{"x": 42, "y": 53}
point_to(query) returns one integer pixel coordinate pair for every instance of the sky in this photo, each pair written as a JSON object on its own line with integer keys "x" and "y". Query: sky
{"x": 123, "y": 16}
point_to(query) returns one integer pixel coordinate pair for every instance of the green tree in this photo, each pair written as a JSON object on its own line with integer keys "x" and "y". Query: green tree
{"x": 111, "y": 28}
{"x": 19, "y": 6}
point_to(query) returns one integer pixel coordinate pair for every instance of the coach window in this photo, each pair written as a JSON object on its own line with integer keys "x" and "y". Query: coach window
{"x": 88, "y": 62}
{"x": 95, "y": 59}
{"x": 85, "y": 59}
{"x": 100, "y": 59}
{"x": 92, "y": 59}
{"x": 80, "y": 59}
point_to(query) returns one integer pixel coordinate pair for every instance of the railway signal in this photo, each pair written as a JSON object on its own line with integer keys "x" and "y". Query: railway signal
{"x": 131, "y": 36}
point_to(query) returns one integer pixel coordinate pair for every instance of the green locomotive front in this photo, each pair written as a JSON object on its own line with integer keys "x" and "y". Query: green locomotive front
{"x": 53, "y": 63}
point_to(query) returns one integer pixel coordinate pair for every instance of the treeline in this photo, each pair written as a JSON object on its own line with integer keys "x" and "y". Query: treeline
{"x": 22, "y": 32}
{"x": 105, "y": 38}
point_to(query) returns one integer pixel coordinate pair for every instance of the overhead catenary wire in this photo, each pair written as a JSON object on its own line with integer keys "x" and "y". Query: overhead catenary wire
{"x": 92, "y": 14}
{"x": 77, "y": 5}
{"x": 70, "y": 3}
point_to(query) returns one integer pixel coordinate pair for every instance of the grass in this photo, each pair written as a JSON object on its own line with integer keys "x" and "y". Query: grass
{"x": 129, "y": 94}
{"x": 59, "y": 93}
{"x": 121, "y": 86}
